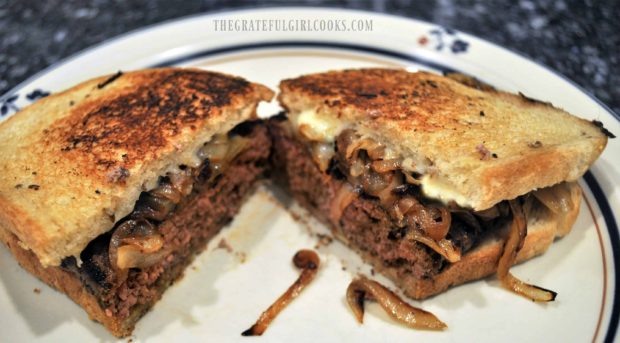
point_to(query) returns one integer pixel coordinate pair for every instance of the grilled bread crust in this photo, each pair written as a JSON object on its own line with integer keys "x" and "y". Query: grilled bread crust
{"x": 486, "y": 144}
{"x": 75, "y": 162}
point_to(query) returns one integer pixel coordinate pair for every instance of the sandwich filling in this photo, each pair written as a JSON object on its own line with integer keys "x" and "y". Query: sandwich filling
{"x": 128, "y": 268}
{"x": 384, "y": 204}
{"x": 323, "y": 130}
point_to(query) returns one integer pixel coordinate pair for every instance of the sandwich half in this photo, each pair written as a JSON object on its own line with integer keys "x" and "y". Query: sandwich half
{"x": 108, "y": 189}
{"x": 427, "y": 176}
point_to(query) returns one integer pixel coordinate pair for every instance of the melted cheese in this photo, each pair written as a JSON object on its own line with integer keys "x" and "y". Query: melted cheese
{"x": 318, "y": 127}
{"x": 435, "y": 188}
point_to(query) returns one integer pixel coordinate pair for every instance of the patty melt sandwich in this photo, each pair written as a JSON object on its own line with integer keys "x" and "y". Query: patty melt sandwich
{"x": 433, "y": 180}
{"x": 108, "y": 189}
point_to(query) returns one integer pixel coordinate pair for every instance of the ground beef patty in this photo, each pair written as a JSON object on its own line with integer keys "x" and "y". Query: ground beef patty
{"x": 364, "y": 223}
{"x": 186, "y": 231}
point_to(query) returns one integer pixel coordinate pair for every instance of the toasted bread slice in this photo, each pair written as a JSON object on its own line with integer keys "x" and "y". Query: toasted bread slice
{"x": 478, "y": 144}
{"x": 74, "y": 163}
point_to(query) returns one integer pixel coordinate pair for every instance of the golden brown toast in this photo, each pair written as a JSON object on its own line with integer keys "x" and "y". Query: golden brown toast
{"x": 75, "y": 162}
{"x": 481, "y": 144}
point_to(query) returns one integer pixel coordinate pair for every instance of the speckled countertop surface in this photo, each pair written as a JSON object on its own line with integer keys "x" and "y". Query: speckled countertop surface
{"x": 579, "y": 39}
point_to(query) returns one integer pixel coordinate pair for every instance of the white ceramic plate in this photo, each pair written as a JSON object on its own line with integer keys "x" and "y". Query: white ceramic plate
{"x": 224, "y": 292}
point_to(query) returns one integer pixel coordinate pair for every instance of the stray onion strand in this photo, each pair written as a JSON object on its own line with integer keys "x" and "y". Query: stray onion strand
{"x": 306, "y": 260}
{"x": 363, "y": 288}
{"x": 514, "y": 243}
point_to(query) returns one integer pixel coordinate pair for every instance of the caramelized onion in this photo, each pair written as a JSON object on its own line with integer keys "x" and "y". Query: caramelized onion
{"x": 434, "y": 221}
{"x": 443, "y": 247}
{"x": 383, "y": 166}
{"x": 147, "y": 245}
{"x": 514, "y": 243}
{"x": 363, "y": 288}
{"x": 223, "y": 148}
{"x": 440, "y": 220}
{"x": 357, "y": 168}
{"x": 306, "y": 260}
{"x": 322, "y": 153}
{"x": 135, "y": 244}
{"x": 411, "y": 179}
{"x": 236, "y": 145}
{"x": 374, "y": 183}
{"x": 216, "y": 149}
{"x": 401, "y": 207}
{"x": 557, "y": 198}
{"x": 158, "y": 202}
{"x": 375, "y": 150}
{"x": 361, "y": 144}
{"x": 167, "y": 191}
{"x": 132, "y": 256}
{"x": 151, "y": 206}
{"x": 182, "y": 181}
{"x": 387, "y": 195}
{"x": 220, "y": 151}
{"x": 382, "y": 178}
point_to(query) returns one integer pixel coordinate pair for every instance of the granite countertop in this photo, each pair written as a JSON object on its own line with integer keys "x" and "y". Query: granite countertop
{"x": 579, "y": 39}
